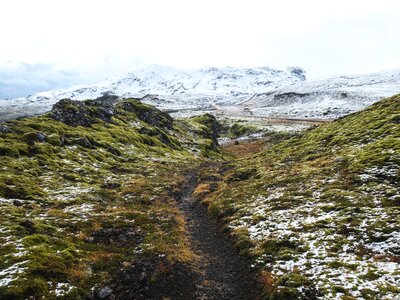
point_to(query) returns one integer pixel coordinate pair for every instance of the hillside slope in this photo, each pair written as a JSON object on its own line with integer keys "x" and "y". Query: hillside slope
{"x": 88, "y": 199}
{"x": 319, "y": 213}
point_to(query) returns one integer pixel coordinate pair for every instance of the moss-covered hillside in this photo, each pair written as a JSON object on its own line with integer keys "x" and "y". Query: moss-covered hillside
{"x": 320, "y": 213}
{"x": 88, "y": 199}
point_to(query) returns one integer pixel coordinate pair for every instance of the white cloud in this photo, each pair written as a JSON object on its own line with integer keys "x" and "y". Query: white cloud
{"x": 21, "y": 79}
{"x": 105, "y": 38}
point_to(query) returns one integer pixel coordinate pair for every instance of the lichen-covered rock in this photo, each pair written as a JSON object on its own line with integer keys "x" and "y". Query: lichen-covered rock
{"x": 211, "y": 127}
{"x": 4, "y": 129}
{"x": 34, "y": 137}
{"x": 105, "y": 292}
{"x": 81, "y": 141}
{"x": 148, "y": 114}
{"x": 82, "y": 113}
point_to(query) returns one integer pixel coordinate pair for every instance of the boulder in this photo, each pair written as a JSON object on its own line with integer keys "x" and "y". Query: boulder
{"x": 4, "y": 129}
{"x": 83, "y": 113}
{"x": 148, "y": 114}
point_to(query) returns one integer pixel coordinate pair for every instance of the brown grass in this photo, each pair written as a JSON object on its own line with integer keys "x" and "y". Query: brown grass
{"x": 245, "y": 148}
{"x": 201, "y": 190}
{"x": 268, "y": 281}
{"x": 78, "y": 272}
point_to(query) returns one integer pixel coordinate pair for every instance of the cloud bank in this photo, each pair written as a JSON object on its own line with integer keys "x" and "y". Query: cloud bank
{"x": 19, "y": 79}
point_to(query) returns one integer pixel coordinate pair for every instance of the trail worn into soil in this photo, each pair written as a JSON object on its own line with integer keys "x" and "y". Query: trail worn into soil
{"x": 224, "y": 273}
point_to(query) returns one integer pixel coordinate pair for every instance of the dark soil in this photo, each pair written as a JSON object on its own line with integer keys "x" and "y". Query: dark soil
{"x": 219, "y": 273}
{"x": 224, "y": 273}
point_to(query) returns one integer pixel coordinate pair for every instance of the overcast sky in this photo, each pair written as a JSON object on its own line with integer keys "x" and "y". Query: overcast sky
{"x": 47, "y": 43}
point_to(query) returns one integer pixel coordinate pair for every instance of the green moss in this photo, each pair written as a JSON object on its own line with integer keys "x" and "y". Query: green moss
{"x": 238, "y": 130}
{"x": 347, "y": 169}
{"x": 285, "y": 293}
{"x": 92, "y": 197}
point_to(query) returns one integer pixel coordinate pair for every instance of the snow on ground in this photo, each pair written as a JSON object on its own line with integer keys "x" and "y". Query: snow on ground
{"x": 68, "y": 193}
{"x": 10, "y": 274}
{"x": 61, "y": 288}
{"x": 354, "y": 249}
{"x": 326, "y": 98}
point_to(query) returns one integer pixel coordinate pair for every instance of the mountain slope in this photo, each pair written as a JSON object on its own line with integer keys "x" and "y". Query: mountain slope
{"x": 319, "y": 213}
{"x": 326, "y": 98}
{"x": 228, "y": 92}
{"x": 176, "y": 89}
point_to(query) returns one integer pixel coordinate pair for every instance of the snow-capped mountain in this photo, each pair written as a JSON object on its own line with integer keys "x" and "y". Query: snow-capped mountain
{"x": 240, "y": 92}
{"x": 325, "y": 98}
{"x": 167, "y": 88}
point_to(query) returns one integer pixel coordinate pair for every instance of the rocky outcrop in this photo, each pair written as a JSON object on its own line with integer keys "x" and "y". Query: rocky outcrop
{"x": 84, "y": 113}
{"x": 148, "y": 114}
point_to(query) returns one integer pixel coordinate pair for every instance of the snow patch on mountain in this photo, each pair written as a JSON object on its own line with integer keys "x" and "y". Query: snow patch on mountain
{"x": 167, "y": 88}
{"x": 325, "y": 98}
{"x": 238, "y": 92}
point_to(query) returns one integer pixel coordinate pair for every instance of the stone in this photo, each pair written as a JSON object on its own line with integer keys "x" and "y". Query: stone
{"x": 105, "y": 292}
{"x": 5, "y": 129}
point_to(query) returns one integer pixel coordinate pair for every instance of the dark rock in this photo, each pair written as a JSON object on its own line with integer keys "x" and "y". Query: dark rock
{"x": 40, "y": 137}
{"x": 299, "y": 72}
{"x": 243, "y": 174}
{"x": 29, "y": 225}
{"x": 143, "y": 277}
{"x": 107, "y": 99}
{"x": 105, "y": 292}
{"x": 114, "y": 151}
{"x": 17, "y": 203}
{"x": 4, "y": 129}
{"x": 72, "y": 113}
{"x": 118, "y": 236}
{"x": 83, "y": 113}
{"x": 34, "y": 137}
{"x": 148, "y": 131}
{"x": 214, "y": 128}
{"x": 148, "y": 114}
{"x": 62, "y": 140}
{"x": 84, "y": 142}
{"x": 288, "y": 98}
{"x": 396, "y": 119}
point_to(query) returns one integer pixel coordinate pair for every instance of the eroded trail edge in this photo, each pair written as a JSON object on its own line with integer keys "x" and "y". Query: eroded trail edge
{"x": 224, "y": 273}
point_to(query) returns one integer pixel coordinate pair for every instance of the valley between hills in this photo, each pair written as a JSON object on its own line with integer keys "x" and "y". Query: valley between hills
{"x": 113, "y": 198}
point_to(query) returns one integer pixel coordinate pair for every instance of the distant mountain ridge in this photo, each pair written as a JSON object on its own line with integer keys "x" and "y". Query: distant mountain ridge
{"x": 326, "y": 98}
{"x": 173, "y": 88}
{"x": 239, "y": 92}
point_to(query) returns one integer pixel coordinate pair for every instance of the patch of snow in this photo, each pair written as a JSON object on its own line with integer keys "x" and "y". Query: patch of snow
{"x": 9, "y": 274}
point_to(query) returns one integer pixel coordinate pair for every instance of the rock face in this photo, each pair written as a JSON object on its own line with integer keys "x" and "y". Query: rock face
{"x": 76, "y": 113}
{"x": 4, "y": 129}
{"x": 148, "y": 114}
{"x": 85, "y": 113}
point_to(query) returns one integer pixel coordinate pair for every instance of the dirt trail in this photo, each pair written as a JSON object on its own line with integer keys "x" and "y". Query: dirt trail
{"x": 224, "y": 273}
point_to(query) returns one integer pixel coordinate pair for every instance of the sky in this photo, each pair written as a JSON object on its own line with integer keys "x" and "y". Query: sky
{"x": 49, "y": 44}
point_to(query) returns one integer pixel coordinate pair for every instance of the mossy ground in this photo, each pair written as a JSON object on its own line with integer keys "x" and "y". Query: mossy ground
{"x": 94, "y": 206}
{"x": 83, "y": 205}
{"x": 321, "y": 208}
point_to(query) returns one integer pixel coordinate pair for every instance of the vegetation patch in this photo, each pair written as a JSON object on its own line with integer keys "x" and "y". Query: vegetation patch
{"x": 319, "y": 211}
{"x": 88, "y": 198}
